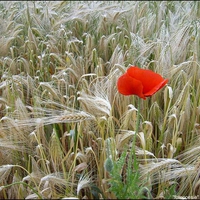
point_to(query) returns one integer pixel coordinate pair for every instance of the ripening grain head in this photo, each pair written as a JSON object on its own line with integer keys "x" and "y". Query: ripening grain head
{"x": 61, "y": 114}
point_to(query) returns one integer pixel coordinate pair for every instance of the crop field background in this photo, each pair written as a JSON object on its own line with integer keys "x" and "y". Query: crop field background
{"x": 66, "y": 131}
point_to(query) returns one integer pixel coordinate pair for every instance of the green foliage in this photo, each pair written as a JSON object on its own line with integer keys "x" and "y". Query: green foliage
{"x": 131, "y": 186}
{"x": 170, "y": 192}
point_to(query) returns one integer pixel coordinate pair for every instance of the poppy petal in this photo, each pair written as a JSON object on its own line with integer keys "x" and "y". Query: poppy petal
{"x": 130, "y": 86}
{"x": 156, "y": 88}
{"x": 151, "y": 81}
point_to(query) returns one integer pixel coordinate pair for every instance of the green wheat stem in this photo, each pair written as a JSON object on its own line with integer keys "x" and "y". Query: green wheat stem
{"x": 25, "y": 184}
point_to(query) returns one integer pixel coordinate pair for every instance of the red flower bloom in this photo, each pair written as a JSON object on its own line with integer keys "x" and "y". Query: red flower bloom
{"x": 140, "y": 82}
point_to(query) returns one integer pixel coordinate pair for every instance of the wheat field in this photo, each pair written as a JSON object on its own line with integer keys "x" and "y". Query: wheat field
{"x": 65, "y": 130}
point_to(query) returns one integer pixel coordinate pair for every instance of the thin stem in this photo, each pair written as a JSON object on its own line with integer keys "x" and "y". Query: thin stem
{"x": 20, "y": 182}
{"x": 132, "y": 157}
{"x": 137, "y": 127}
{"x": 138, "y": 118}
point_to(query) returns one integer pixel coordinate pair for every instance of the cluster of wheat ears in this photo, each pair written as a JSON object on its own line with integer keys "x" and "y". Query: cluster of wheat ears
{"x": 63, "y": 124}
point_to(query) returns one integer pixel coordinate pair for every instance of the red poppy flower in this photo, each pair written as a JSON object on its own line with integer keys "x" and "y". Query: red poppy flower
{"x": 140, "y": 82}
